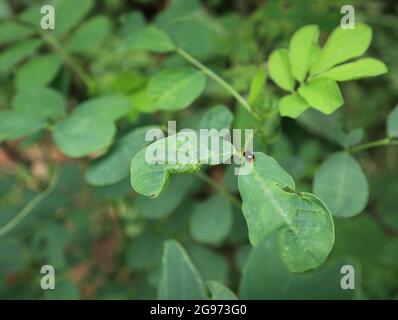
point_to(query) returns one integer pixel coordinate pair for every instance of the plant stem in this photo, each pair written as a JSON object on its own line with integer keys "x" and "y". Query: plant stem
{"x": 231, "y": 198}
{"x": 374, "y": 144}
{"x": 218, "y": 79}
{"x": 69, "y": 60}
{"x": 30, "y": 206}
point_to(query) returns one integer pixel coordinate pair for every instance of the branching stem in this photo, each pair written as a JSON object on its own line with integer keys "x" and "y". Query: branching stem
{"x": 219, "y": 80}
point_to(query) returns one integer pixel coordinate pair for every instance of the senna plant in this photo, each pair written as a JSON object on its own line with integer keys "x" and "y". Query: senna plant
{"x": 143, "y": 74}
{"x": 270, "y": 202}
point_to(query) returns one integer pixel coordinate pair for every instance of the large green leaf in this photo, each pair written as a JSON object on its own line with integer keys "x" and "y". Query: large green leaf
{"x": 115, "y": 166}
{"x": 90, "y": 35}
{"x": 176, "y": 88}
{"x": 322, "y": 94}
{"x": 109, "y": 108}
{"x": 392, "y": 123}
{"x": 78, "y": 135}
{"x": 153, "y": 166}
{"x": 342, "y": 45}
{"x": 10, "y": 57}
{"x": 292, "y": 106}
{"x": 38, "y": 72}
{"x": 16, "y": 124}
{"x": 40, "y": 101}
{"x": 341, "y": 183}
{"x": 302, "y": 50}
{"x": 266, "y": 277}
{"x": 305, "y": 225}
{"x": 150, "y": 38}
{"x": 180, "y": 280}
{"x": 220, "y": 292}
{"x": 280, "y": 69}
{"x": 211, "y": 220}
{"x": 362, "y": 68}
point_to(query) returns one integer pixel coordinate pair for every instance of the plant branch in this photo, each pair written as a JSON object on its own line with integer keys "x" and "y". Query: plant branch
{"x": 231, "y": 198}
{"x": 30, "y": 206}
{"x": 374, "y": 144}
{"x": 69, "y": 60}
{"x": 218, "y": 79}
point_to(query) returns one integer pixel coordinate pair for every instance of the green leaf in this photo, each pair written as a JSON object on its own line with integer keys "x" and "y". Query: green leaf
{"x": 211, "y": 220}
{"x": 304, "y": 224}
{"x": 79, "y": 135}
{"x": 280, "y": 70}
{"x": 115, "y": 166}
{"x": 150, "y": 38}
{"x": 342, "y": 45}
{"x": 68, "y": 13}
{"x": 302, "y": 50}
{"x": 45, "y": 102}
{"x": 362, "y": 68}
{"x": 176, "y": 88}
{"x": 90, "y": 35}
{"x": 145, "y": 251}
{"x": 180, "y": 280}
{"x": 220, "y": 292}
{"x": 38, "y": 72}
{"x": 392, "y": 123}
{"x": 16, "y": 124}
{"x": 292, "y": 106}
{"x": 218, "y": 117}
{"x": 168, "y": 201}
{"x": 322, "y": 94}
{"x": 12, "y": 31}
{"x": 110, "y": 108}
{"x": 265, "y": 277}
{"x": 153, "y": 166}
{"x": 211, "y": 265}
{"x": 341, "y": 183}
{"x": 10, "y": 57}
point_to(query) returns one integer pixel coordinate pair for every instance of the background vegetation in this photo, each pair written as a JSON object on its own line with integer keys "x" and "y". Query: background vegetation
{"x": 106, "y": 241}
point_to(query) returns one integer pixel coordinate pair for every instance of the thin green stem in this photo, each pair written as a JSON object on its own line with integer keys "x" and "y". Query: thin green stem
{"x": 374, "y": 144}
{"x": 231, "y": 198}
{"x": 30, "y": 206}
{"x": 69, "y": 60}
{"x": 218, "y": 79}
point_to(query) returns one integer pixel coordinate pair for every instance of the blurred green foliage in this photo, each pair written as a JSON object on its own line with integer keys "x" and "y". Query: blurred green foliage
{"x": 107, "y": 241}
